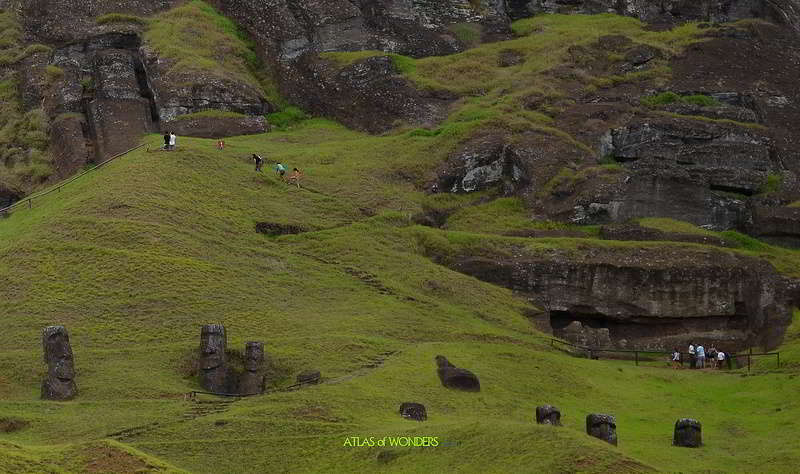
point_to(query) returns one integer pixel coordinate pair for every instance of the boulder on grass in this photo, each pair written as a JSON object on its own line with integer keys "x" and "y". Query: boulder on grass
{"x": 602, "y": 427}
{"x": 548, "y": 415}
{"x": 454, "y": 377}
{"x": 413, "y": 411}
{"x": 688, "y": 433}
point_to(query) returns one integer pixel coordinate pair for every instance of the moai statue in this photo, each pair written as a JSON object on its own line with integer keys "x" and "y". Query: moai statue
{"x": 413, "y": 411}
{"x": 688, "y": 433}
{"x": 454, "y": 377}
{"x": 548, "y": 415}
{"x": 213, "y": 361}
{"x": 603, "y": 427}
{"x": 251, "y": 382}
{"x": 60, "y": 381}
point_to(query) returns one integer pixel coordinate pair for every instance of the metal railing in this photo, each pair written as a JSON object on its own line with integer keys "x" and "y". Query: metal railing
{"x": 57, "y": 188}
{"x": 592, "y": 353}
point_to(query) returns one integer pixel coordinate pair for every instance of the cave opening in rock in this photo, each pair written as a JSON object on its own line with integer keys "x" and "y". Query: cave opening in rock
{"x": 588, "y": 327}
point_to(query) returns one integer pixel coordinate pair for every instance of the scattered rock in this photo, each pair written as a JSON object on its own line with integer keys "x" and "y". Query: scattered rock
{"x": 309, "y": 377}
{"x": 548, "y": 415}
{"x": 602, "y": 427}
{"x": 10, "y": 425}
{"x": 688, "y": 433}
{"x": 274, "y": 229}
{"x": 413, "y": 411}
{"x": 510, "y": 57}
{"x": 60, "y": 381}
{"x": 453, "y": 377}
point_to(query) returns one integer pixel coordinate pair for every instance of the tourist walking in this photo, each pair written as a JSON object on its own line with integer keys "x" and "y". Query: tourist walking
{"x": 692, "y": 356}
{"x": 295, "y": 177}
{"x": 676, "y": 358}
{"x": 280, "y": 169}
{"x": 259, "y": 162}
{"x": 221, "y": 144}
{"x": 712, "y": 357}
{"x": 701, "y": 356}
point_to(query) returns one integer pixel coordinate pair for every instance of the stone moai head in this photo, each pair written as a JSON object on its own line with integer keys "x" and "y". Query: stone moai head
{"x": 60, "y": 381}
{"x": 251, "y": 382}
{"x": 603, "y": 427}
{"x": 442, "y": 362}
{"x": 548, "y": 415}
{"x": 253, "y": 356}
{"x": 413, "y": 411}
{"x": 688, "y": 433}
{"x": 213, "y": 361}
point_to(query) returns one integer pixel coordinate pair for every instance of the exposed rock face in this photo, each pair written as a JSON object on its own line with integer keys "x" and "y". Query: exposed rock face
{"x": 548, "y": 415}
{"x": 369, "y": 95}
{"x": 776, "y": 224}
{"x": 413, "y": 411}
{"x": 213, "y": 359}
{"x": 453, "y": 377}
{"x": 44, "y": 19}
{"x": 688, "y": 433}
{"x": 217, "y": 127}
{"x": 60, "y": 381}
{"x": 636, "y": 232}
{"x": 251, "y": 382}
{"x": 602, "y": 427}
{"x": 672, "y": 11}
{"x": 649, "y": 297}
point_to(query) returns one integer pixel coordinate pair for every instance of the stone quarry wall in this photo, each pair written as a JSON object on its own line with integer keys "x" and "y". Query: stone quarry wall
{"x": 649, "y": 298}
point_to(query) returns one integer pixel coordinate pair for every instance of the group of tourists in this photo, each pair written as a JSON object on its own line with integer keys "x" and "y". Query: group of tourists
{"x": 280, "y": 169}
{"x": 700, "y": 358}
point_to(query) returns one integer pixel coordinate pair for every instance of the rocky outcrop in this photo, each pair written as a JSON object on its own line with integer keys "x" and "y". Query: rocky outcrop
{"x": 776, "y": 224}
{"x": 636, "y": 232}
{"x": 216, "y": 127}
{"x": 669, "y": 12}
{"x": 369, "y": 95}
{"x": 648, "y": 297}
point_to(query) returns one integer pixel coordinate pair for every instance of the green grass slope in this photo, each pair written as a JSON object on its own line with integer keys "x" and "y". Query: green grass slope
{"x": 135, "y": 257}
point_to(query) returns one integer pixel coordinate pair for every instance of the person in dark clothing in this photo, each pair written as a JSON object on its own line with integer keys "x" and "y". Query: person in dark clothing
{"x": 259, "y": 162}
{"x": 166, "y": 141}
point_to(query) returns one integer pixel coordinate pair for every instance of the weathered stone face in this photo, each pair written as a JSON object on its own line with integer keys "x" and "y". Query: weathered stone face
{"x": 60, "y": 381}
{"x": 548, "y": 415}
{"x": 688, "y": 433}
{"x": 413, "y": 411}
{"x": 251, "y": 382}
{"x": 602, "y": 427}
{"x": 213, "y": 360}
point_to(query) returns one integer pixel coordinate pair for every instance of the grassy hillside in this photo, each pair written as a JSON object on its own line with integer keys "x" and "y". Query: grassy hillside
{"x": 135, "y": 257}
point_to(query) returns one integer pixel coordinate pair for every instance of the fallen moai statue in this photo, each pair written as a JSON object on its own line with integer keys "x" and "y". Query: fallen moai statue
{"x": 453, "y": 377}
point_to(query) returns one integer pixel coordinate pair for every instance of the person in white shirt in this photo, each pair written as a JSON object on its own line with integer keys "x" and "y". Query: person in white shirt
{"x": 676, "y": 358}
{"x": 692, "y": 357}
{"x": 701, "y": 356}
{"x": 720, "y": 359}
{"x": 173, "y": 139}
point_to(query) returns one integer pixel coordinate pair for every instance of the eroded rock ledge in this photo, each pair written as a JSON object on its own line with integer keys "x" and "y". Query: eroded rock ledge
{"x": 648, "y": 297}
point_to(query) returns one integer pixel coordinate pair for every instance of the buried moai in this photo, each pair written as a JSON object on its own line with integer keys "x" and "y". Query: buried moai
{"x": 603, "y": 427}
{"x": 453, "y": 377}
{"x": 688, "y": 433}
{"x": 251, "y": 382}
{"x": 60, "y": 381}
{"x": 548, "y": 415}
{"x": 413, "y": 411}
{"x": 213, "y": 359}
